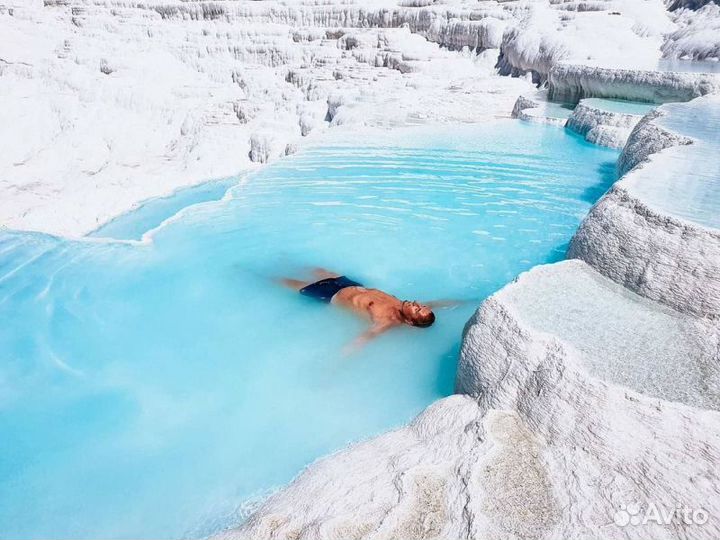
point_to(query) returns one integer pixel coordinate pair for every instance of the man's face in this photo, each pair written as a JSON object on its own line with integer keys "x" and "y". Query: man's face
{"x": 418, "y": 314}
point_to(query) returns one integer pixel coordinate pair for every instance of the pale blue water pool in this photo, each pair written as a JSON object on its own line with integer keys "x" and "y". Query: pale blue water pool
{"x": 619, "y": 106}
{"x": 154, "y": 391}
{"x": 684, "y": 182}
{"x": 151, "y": 214}
{"x": 688, "y": 66}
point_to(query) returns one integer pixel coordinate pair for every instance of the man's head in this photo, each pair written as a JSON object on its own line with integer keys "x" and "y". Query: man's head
{"x": 417, "y": 314}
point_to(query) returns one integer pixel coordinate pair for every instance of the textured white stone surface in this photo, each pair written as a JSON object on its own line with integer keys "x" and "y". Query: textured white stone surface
{"x": 648, "y": 138}
{"x": 597, "y": 33}
{"x": 697, "y": 35}
{"x": 655, "y": 231}
{"x": 623, "y": 338}
{"x": 523, "y": 103}
{"x": 602, "y": 127}
{"x": 108, "y": 103}
{"x": 538, "y": 109}
{"x": 574, "y": 82}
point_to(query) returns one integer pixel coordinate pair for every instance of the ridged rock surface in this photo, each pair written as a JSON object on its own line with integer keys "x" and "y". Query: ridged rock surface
{"x": 602, "y": 127}
{"x": 697, "y": 35}
{"x": 116, "y": 101}
{"x": 656, "y": 231}
{"x": 571, "y": 83}
{"x": 539, "y": 110}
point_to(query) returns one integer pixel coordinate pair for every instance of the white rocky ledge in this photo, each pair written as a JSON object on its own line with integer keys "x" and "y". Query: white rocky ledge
{"x": 538, "y": 109}
{"x": 603, "y": 122}
{"x": 571, "y": 83}
{"x": 601, "y": 126}
{"x": 656, "y": 231}
{"x": 621, "y": 337}
{"x": 647, "y": 138}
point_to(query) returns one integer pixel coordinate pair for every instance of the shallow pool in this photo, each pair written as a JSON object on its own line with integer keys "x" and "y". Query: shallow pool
{"x": 688, "y": 185}
{"x": 619, "y": 106}
{"x": 691, "y": 66}
{"x": 158, "y": 390}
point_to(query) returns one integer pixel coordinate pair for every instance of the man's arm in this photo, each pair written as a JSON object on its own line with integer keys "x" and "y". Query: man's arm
{"x": 369, "y": 334}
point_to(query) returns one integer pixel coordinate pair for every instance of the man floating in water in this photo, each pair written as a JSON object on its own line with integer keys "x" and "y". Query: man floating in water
{"x": 384, "y": 310}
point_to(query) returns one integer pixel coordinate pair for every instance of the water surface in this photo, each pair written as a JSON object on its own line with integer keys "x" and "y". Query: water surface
{"x": 152, "y": 213}
{"x": 684, "y": 180}
{"x": 620, "y": 106}
{"x": 688, "y": 66}
{"x": 154, "y": 391}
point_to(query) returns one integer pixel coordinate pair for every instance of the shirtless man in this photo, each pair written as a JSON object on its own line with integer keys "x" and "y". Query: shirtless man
{"x": 383, "y": 310}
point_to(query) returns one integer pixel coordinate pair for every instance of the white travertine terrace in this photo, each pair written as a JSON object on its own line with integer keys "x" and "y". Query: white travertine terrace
{"x": 538, "y": 109}
{"x": 656, "y": 231}
{"x": 602, "y": 122}
{"x": 115, "y": 101}
{"x": 571, "y": 83}
{"x": 622, "y": 337}
{"x": 697, "y": 33}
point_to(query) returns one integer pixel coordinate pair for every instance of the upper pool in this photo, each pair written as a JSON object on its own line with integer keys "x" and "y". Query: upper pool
{"x": 156, "y": 390}
{"x": 688, "y": 66}
{"x": 683, "y": 180}
{"x": 619, "y": 106}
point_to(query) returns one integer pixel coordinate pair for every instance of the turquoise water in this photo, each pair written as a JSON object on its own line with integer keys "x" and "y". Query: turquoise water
{"x": 151, "y": 214}
{"x": 619, "y": 106}
{"x": 156, "y": 390}
{"x": 562, "y": 111}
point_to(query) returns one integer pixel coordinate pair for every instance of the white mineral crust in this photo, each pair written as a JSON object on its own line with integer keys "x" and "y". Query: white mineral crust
{"x": 108, "y": 103}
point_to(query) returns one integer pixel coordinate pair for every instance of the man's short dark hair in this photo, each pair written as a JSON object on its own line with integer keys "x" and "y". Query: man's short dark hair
{"x": 425, "y": 321}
